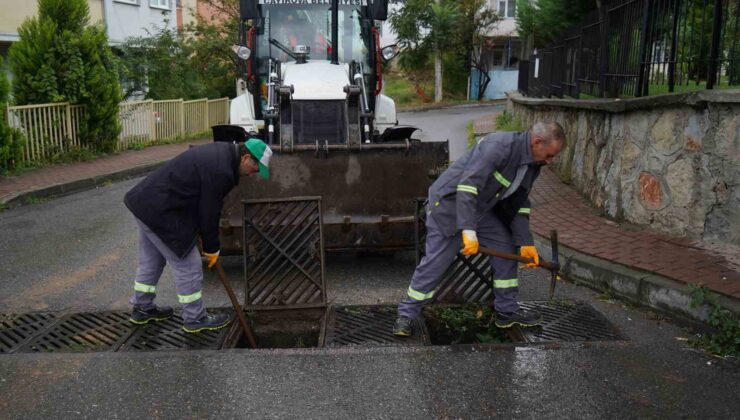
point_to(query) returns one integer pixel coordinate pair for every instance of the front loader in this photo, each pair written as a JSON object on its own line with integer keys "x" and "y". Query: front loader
{"x": 310, "y": 86}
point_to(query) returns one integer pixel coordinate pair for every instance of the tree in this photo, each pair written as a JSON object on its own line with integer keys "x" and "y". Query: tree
{"x": 160, "y": 65}
{"x": 545, "y": 20}
{"x": 448, "y": 32}
{"x": 195, "y": 63}
{"x": 11, "y": 142}
{"x": 60, "y": 58}
{"x": 426, "y": 28}
{"x": 476, "y": 21}
{"x": 212, "y": 39}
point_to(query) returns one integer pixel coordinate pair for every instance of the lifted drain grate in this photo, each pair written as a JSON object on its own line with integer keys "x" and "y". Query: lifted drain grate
{"x": 168, "y": 335}
{"x": 15, "y": 330}
{"x": 369, "y": 326}
{"x": 467, "y": 279}
{"x": 569, "y": 321}
{"x": 284, "y": 253}
{"x": 101, "y": 331}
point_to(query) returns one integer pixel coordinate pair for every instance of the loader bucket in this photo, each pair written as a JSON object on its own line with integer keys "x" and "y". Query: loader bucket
{"x": 367, "y": 195}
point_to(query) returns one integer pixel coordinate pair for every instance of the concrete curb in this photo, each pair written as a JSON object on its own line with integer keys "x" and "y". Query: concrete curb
{"x": 458, "y": 106}
{"x": 66, "y": 188}
{"x": 633, "y": 285}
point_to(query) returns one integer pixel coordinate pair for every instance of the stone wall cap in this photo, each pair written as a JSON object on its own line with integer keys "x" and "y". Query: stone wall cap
{"x": 696, "y": 98}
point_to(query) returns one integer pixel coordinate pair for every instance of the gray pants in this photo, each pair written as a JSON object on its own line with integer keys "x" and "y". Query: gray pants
{"x": 188, "y": 274}
{"x": 440, "y": 253}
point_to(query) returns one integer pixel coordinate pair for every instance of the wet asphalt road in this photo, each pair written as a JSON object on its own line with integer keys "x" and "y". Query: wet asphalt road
{"x": 446, "y": 124}
{"x": 78, "y": 253}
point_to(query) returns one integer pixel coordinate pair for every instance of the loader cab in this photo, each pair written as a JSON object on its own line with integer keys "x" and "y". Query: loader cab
{"x": 313, "y": 74}
{"x": 284, "y": 29}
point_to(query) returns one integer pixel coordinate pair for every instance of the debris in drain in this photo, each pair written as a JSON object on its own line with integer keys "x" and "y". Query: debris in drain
{"x": 282, "y": 329}
{"x": 467, "y": 324}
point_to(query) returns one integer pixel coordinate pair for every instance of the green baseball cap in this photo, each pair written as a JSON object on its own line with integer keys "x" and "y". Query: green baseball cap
{"x": 262, "y": 152}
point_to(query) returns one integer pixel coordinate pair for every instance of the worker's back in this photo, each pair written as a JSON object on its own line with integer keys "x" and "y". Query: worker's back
{"x": 179, "y": 199}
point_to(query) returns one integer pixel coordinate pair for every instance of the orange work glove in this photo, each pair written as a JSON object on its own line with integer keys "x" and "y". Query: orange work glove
{"x": 470, "y": 242}
{"x": 212, "y": 258}
{"x": 529, "y": 251}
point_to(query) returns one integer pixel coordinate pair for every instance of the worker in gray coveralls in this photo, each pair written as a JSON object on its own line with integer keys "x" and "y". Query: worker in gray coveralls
{"x": 484, "y": 196}
{"x": 175, "y": 205}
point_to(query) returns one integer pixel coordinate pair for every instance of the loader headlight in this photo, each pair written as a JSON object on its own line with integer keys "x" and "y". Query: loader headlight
{"x": 241, "y": 51}
{"x": 389, "y": 52}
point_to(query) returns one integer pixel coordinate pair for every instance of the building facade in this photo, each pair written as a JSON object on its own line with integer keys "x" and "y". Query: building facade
{"x": 122, "y": 18}
{"x": 131, "y": 18}
{"x": 186, "y": 11}
{"x": 499, "y": 58}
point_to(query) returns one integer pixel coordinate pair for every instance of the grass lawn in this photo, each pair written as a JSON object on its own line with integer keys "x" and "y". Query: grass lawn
{"x": 403, "y": 92}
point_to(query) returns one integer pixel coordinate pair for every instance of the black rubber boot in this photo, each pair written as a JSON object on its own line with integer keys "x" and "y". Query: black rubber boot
{"x": 140, "y": 316}
{"x": 208, "y": 323}
{"x": 521, "y": 317}
{"x": 402, "y": 328}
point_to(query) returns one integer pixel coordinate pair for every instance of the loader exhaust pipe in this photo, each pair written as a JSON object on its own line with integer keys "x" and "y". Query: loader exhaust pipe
{"x": 334, "y": 31}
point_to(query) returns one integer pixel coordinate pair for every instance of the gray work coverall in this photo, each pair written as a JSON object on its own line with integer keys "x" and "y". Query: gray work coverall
{"x": 486, "y": 191}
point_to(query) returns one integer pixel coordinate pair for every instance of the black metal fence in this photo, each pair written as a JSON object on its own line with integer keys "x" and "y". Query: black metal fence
{"x": 631, "y": 48}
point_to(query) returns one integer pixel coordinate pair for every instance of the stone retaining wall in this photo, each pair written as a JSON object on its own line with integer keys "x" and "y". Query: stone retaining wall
{"x": 670, "y": 161}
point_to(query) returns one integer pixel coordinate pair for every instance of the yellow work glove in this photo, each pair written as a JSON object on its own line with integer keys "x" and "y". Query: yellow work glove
{"x": 212, "y": 258}
{"x": 529, "y": 251}
{"x": 470, "y": 242}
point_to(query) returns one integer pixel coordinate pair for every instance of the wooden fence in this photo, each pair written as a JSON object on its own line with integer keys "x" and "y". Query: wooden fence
{"x": 51, "y": 129}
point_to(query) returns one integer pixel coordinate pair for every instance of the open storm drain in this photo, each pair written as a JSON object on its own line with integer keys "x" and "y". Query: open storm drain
{"x": 365, "y": 326}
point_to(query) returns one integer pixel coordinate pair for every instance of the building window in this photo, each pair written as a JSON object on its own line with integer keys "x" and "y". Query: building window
{"x": 160, "y": 4}
{"x": 506, "y": 8}
{"x": 134, "y": 2}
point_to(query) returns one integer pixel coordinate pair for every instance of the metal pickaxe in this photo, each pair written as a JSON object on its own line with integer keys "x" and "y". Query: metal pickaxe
{"x": 553, "y": 266}
{"x": 237, "y": 308}
{"x": 234, "y": 301}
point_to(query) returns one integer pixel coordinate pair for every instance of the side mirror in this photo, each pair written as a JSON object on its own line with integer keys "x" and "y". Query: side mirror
{"x": 378, "y": 9}
{"x": 389, "y": 52}
{"x": 249, "y": 9}
{"x": 241, "y": 51}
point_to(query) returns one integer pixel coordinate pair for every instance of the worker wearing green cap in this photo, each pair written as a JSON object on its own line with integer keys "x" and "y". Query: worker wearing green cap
{"x": 175, "y": 205}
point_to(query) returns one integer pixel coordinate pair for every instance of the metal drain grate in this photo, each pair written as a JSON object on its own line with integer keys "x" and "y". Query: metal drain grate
{"x": 168, "y": 335}
{"x": 569, "y": 321}
{"x": 101, "y": 331}
{"x": 15, "y": 330}
{"x": 369, "y": 326}
{"x": 284, "y": 253}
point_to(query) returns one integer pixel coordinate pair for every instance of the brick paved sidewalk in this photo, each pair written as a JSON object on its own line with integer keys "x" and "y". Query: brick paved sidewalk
{"x": 559, "y": 206}
{"x": 68, "y": 173}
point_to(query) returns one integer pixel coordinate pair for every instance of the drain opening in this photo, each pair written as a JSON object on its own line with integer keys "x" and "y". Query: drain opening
{"x": 302, "y": 328}
{"x": 464, "y": 324}
{"x": 281, "y": 329}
